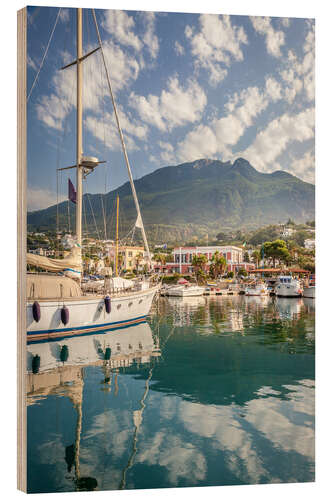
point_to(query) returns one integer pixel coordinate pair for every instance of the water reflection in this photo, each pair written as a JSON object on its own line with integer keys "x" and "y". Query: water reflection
{"x": 213, "y": 391}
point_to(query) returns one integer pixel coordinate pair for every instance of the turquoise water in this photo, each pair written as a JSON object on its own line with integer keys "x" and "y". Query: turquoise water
{"x": 211, "y": 391}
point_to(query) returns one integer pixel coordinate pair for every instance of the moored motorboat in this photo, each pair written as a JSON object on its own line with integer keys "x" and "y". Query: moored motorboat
{"x": 257, "y": 289}
{"x": 309, "y": 289}
{"x": 287, "y": 286}
{"x": 185, "y": 291}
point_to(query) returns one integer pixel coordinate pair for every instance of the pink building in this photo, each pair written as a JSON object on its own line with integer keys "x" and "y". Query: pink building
{"x": 182, "y": 259}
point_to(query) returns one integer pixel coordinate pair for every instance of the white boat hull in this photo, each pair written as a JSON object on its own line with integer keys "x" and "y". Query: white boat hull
{"x": 258, "y": 292}
{"x": 186, "y": 292}
{"x": 309, "y": 292}
{"x": 88, "y": 314}
{"x": 288, "y": 290}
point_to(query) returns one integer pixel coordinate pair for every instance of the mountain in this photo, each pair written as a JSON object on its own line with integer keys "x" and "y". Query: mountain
{"x": 193, "y": 199}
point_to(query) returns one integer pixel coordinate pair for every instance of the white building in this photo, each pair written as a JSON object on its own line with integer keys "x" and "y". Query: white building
{"x": 310, "y": 244}
{"x": 287, "y": 232}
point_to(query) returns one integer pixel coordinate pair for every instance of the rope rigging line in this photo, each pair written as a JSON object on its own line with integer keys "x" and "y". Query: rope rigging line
{"x": 92, "y": 211}
{"x": 122, "y": 139}
{"x": 57, "y": 214}
{"x": 44, "y": 56}
{"x": 84, "y": 213}
{"x": 68, "y": 211}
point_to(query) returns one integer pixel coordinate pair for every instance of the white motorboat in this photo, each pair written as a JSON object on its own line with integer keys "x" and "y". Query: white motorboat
{"x": 185, "y": 291}
{"x": 257, "y": 289}
{"x": 309, "y": 291}
{"x": 287, "y": 286}
{"x": 58, "y": 305}
{"x": 309, "y": 288}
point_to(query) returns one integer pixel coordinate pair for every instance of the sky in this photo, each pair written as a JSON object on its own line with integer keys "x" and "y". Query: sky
{"x": 187, "y": 86}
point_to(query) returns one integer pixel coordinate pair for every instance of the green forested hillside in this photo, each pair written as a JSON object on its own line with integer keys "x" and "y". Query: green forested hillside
{"x": 195, "y": 199}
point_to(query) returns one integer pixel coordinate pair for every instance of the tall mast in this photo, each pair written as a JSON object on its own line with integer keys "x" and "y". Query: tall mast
{"x": 79, "y": 128}
{"x": 117, "y": 235}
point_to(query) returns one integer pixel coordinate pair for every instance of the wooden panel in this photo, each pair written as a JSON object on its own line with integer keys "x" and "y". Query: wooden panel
{"x": 21, "y": 246}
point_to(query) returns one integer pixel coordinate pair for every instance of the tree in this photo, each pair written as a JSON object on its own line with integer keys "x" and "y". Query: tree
{"x": 199, "y": 262}
{"x": 242, "y": 272}
{"x": 246, "y": 257}
{"x": 276, "y": 250}
{"x": 293, "y": 249}
{"x": 160, "y": 257}
{"x": 256, "y": 257}
{"x": 221, "y": 236}
{"x": 301, "y": 236}
{"x": 267, "y": 233}
{"x": 230, "y": 274}
{"x": 218, "y": 265}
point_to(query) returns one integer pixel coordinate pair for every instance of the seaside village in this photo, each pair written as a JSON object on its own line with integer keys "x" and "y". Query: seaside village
{"x": 226, "y": 265}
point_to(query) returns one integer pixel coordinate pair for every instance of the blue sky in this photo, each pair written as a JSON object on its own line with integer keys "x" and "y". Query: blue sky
{"x": 188, "y": 86}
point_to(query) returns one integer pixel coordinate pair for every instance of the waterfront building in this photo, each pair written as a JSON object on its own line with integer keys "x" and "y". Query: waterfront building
{"x": 132, "y": 257}
{"x": 183, "y": 256}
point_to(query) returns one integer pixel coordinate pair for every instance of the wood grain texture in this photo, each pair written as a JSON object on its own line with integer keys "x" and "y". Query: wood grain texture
{"x": 21, "y": 246}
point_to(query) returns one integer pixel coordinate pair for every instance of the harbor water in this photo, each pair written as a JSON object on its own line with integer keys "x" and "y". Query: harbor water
{"x": 209, "y": 391}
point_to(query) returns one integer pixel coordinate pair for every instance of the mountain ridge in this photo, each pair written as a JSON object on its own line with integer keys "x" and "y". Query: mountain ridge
{"x": 196, "y": 198}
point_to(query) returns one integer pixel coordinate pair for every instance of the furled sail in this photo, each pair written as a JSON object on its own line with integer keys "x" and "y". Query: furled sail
{"x": 70, "y": 265}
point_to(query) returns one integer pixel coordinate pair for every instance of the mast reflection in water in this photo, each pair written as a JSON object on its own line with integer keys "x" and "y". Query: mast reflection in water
{"x": 211, "y": 391}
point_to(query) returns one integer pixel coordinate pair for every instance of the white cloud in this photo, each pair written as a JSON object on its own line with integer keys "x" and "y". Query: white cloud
{"x": 273, "y": 89}
{"x": 123, "y": 29}
{"x": 179, "y": 49}
{"x": 167, "y": 154}
{"x": 285, "y": 21}
{"x": 107, "y": 131}
{"x": 150, "y": 39}
{"x": 274, "y": 39}
{"x": 216, "y": 44}
{"x": 53, "y": 109}
{"x": 304, "y": 167}
{"x": 175, "y": 107}
{"x": 64, "y": 15}
{"x": 225, "y": 132}
{"x": 31, "y": 63}
{"x": 38, "y": 199}
{"x": 121, "y": 26}
{"x": 274, "y": 139}
{"x": 200, "y": 142}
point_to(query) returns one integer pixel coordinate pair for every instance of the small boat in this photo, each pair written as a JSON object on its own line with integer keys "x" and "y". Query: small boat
{"x": 185, "y": 291}
{"x": 210, "y": 290}
{"x": 309, "y": 291}
{"x": 309, "y": 288}
{"x": 257, "y": 289}
{"x": 287, "y": 286}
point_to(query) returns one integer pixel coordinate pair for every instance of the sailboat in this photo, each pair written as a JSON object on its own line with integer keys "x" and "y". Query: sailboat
{"x": 57, "y": 306}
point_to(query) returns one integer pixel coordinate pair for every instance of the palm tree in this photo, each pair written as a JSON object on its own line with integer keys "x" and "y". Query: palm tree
{"x": 199, "y": 262}
{"x": 218, "y": 264}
